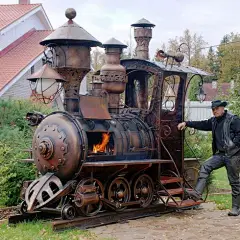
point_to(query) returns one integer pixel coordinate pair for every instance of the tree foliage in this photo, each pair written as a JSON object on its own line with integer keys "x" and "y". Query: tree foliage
{"x": 193, "y": 89}
{"x": 97, "y": 58}
{"x": 191, "y": 44}
{"x": 229, "y": 57}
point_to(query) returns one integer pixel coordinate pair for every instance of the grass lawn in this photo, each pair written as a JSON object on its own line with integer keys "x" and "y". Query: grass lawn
{"x": 41, "y": 231}
{"x": 220, "y": 184}
{"x": 223, "y": 201}
{"x": 220, "y": 180}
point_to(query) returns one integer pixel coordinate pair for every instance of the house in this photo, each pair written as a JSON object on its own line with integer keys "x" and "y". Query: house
{"x": 214, "y": 90}
{"x": 22, "y": 27}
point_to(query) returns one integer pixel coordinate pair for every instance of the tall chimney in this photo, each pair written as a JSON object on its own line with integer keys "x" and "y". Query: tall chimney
{"x": 113, "y": 74}
{"x": 24, "y": 2}
{"x": 71, "y": 57}
{"x": 142, "y": 35}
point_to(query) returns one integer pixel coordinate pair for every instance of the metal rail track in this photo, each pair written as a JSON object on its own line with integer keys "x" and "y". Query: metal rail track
{"x": 101, "y": 219}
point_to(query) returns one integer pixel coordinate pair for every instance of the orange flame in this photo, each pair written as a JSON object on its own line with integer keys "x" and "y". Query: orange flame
{"x": 100, "y": 147}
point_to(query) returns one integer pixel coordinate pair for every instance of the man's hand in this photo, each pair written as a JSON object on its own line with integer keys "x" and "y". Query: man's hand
{"x": 181, "y": 126}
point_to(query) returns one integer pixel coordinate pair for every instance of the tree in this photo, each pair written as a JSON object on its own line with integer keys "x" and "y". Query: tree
{"x": 193, "y": 89}
{"x": 229, "y": 57}
{"x": 229, "y": 67}
{"x": 97, "y": 58}
{"x": 191, "y": 45}
{"x": 212, "y": 61}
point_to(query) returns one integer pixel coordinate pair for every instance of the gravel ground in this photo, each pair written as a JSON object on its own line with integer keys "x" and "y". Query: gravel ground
{"x": 204, "y": 223}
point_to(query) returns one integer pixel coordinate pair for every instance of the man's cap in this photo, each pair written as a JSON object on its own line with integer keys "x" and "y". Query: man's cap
{"x": 218, "y": 103}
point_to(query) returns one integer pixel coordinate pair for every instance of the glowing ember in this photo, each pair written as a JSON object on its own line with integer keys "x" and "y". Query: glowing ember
{"x": 101, "y": 147}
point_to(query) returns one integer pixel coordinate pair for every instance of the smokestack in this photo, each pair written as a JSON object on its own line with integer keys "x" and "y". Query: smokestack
{"x": 71, "y": 45}
{"x": 113, "y": 74}
{"x": 142, "y": 35}
{"x": 24, "y": 2}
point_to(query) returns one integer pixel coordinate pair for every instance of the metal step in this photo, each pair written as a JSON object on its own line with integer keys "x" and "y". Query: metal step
{"x": 184, "y": 203}
{"x": 166, "y": 179}
{"x": 173, "y": 191}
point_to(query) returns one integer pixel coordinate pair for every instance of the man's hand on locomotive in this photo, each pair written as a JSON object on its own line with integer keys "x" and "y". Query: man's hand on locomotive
{"x": 181, "y": 126}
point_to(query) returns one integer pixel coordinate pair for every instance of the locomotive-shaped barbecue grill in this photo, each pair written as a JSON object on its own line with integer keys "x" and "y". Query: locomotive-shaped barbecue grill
{"x": 99, "y": 154}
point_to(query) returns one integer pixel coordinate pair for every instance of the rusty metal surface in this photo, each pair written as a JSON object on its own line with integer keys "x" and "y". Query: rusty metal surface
{"x": 113, "y": 74}
{"x": 63, "y": 153}
{"x": 118, "y": 163}
{"x": 103, "y": 218}
{"x": 71, "y": 33}
{"x": 110, "y": 217}
{"x": 143, "y": 37}
{"x": 94, "y": 107}
{"x": 113, "y": 42}
{"x": 72, "y": 87}
{"x": 143, "y": 23}
{"x": 87, "y": 197}
{"x": 159, "y": 67}
{"x": 182, "y": 69}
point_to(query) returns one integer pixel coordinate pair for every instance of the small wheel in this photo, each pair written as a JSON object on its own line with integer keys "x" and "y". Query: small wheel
{"x": 23, "y": 207}
{"x": 90, "y": 209}
{"x": 143, "y": 190}
{"x": 68, "y": 212}
{"x": 119, "y": 192}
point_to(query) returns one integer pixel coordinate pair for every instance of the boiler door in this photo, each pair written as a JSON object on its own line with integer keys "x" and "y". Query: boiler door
{"x": 57, "y": 146}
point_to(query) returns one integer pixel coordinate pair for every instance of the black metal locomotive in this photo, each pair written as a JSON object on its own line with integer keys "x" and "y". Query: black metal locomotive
{"x": 99, "y": 154}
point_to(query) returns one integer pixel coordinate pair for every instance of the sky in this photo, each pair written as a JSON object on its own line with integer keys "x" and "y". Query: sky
{"x": 110, "y": 18}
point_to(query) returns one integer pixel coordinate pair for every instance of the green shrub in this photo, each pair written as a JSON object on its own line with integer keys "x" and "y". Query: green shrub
{"x": 198, "y": 145}
{"x": 15, "y": 136}
{"x": 12, "y": 174}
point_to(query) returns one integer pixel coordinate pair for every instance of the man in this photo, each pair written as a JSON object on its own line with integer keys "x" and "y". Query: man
{"x": 225, "y": 129}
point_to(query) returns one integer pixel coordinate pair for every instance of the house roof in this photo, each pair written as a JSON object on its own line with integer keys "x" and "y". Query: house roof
{"x": 12, "y": 12}
{"x": 21, "y": 55}
{"x": 213, "y": 93}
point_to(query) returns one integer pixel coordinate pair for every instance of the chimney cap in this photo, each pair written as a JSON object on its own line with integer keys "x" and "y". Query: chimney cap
{"x": 113, "y": 42}
{"x": 143, "y": 23}
{"x": 71, "y": 34}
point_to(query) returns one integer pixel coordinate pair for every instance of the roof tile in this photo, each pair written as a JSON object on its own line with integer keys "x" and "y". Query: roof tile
{"x": 15, "y": 60}
{"x": 213, "y": 93}
{"x": 12, "y": 12}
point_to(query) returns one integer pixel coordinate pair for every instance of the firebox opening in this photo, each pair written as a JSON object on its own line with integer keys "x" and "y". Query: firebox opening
{"x": 100, "y": 143}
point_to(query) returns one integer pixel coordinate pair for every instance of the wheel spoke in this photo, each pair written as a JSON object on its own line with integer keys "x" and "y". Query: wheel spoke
{"x": 119, "y": 190}
{"x": 143, "y": 181}
{"x": 90, "y": 209}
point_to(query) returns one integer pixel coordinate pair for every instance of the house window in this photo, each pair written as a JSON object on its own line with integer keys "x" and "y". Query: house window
{"x": 32, "y": 69}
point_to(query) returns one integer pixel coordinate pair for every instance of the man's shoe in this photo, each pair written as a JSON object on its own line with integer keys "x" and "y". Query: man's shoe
{"x": 235, "y": 206}
{"x": 193, "y": 194}
{"x": 234, "y": 212}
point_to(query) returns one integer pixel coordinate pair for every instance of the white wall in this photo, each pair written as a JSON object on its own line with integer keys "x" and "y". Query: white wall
{"x": 17, "y": 29}
{"x": 11, "y": 35}
{"x": 195, "y": 111}
{"x": 21, "y": 89}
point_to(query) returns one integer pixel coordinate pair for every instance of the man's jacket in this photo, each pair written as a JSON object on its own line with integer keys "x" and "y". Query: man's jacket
{"x": 231, "y": 132}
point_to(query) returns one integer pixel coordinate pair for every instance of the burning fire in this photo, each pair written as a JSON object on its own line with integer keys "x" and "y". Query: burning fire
{"x": 101, "y": 147}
